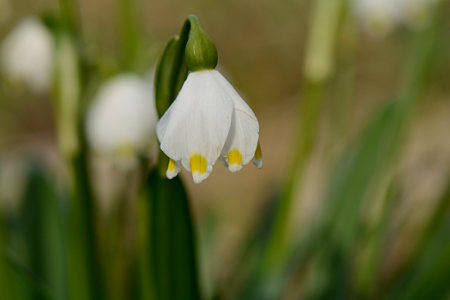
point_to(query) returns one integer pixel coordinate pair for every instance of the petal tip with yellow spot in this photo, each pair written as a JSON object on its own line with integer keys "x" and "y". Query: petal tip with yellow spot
{"x": 234, "y": 167}
{"x": 257, "y": 159}
{"x": 172, "y": 169}
{"x": 199, "y": 167}
{"x": 199, "y": 177}
{"x": 258, "y": 162}
{"x": 234, "y": 160}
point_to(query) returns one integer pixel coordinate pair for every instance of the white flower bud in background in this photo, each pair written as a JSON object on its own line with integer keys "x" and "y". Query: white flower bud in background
{"x": 5, "y": 10}
{"x": 27, "y": 54}
{"x": 379, "y": 17}
{"x": 121, "y": 121}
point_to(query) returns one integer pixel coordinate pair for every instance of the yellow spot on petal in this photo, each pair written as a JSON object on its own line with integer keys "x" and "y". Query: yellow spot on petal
{"x": 234, "y": 157}
{"x": 258, "y": 153}
{"x": 172, "y": 165}
{"x": 198, "y": 163}
{"x": 125, "y": 152}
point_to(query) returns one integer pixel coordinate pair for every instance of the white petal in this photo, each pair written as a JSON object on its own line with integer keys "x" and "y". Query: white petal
{"x": 27, "y": 54}
{"x": 123, "y": 115}
{"x": 242, "y": 140}
{"x": 243, "y": 137}
{"x": 163, "y": 123}
{"x": 238, "y": 102}
{"x": 197, "y": 123}
{"x": 199, "y": 177}
{"x": 257, "y": 159}
{"x": 173, "y": 169}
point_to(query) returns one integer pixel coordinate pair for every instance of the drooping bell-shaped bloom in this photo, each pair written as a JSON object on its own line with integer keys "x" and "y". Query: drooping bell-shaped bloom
{"x": 208, "y": 120}
{"x": 377, "y": 16}
{"x": 27, "y": 54}
{"x": 122, "y": 119}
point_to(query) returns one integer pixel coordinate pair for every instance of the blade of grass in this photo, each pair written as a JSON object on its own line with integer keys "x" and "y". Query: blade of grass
{"x": 427, "y": 271}
{"x": 9, "y": 281}
{"x": 31, "y": 283}
{"x": 37, "y": 254}
{"x": 42, "y": 219}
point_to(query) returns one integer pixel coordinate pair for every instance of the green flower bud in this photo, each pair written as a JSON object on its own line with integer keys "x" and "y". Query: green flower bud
{"x": 201, "y": 53}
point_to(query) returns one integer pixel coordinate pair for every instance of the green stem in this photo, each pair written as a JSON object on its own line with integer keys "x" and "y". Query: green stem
{"x": 318, "y": 68}
{"x": 131, "y": 38}
{"x": 85, "y": 278}
{"x": 420, "y": 61}
{"x": 84, "y": 260}
{"x": 69, "y": 15}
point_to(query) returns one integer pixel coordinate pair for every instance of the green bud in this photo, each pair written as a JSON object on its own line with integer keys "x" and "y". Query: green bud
{"x": 201, "y": 53}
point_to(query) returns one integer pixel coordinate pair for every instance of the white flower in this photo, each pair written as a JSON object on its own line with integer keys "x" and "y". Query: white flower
{"x": 121, "y": 121}
{"x": 381, "y": 16}
{"x": 208, "y": 120}
{"x": 27, "y": 54}
{"x": 378, "y": 16}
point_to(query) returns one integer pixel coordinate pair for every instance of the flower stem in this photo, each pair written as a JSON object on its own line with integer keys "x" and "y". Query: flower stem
{"x": 69, "y": 15}
{"x": 131, "y": 38}
{"x": 85, "y": 276}
{"x": 319, "y": 61}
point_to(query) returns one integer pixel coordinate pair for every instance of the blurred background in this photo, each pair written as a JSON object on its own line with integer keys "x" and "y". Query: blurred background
{"x": 262, "y": 47}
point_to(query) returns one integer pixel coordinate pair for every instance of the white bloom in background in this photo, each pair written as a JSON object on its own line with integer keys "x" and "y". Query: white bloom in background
{"x": 380, "y": 16}
{"x": 122, "y": 119}
{"x": 27, "y": 54}
{"x": 208, "y": 120}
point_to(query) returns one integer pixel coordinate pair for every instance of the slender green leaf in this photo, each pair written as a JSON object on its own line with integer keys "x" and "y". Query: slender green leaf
{"x": 171, "y": 72}
{"x": 36, "y": 252}
{"x": 173, "y": 261}
{"x": 428, "y": 270}
{"x": 9, "y": 281}
{"x": 85, "y": 274}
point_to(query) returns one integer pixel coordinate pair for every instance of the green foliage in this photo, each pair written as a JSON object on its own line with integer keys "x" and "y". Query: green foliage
{"x": 172, "y": 240}
{"x": 34, "y": 252}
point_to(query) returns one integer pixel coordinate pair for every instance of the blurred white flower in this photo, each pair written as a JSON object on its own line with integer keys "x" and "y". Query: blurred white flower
{"x": 27, "y": 54}
{"x": 208, "y": 120}
{"x": 122, "y": 119}
{"x": 379, "y": 17}
{"x": 5, "y": 10}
